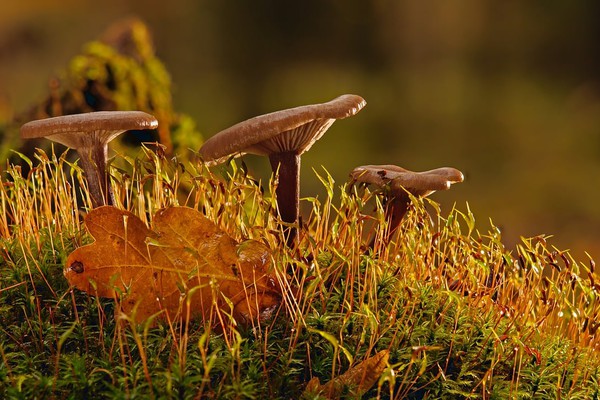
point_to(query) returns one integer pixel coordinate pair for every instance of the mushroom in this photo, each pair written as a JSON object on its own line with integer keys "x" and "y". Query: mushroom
{"x": 283, "y": 136}
{"x": 400, "y": 182}
{"x": 89, "y": 134}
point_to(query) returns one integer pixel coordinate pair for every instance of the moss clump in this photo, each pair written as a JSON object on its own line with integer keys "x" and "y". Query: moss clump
{"x": 460, "y": 315}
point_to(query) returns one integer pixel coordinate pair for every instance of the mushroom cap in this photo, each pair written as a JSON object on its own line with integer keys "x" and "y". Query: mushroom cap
{"x": 80, "y": 130}
{"x": 417, "y": 183}
{"x": 290, "y": 130}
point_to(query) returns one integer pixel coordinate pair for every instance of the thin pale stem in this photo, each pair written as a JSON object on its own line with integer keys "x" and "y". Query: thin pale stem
{"x": 288, "y": 190}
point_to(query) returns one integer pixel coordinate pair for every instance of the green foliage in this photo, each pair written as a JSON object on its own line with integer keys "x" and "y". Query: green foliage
{"x": 120, "y": 71}
{"x": 461, "y": 316}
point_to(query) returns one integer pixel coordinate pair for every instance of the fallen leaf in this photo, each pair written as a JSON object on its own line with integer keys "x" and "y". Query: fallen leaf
{"x": 359, "y": 379}
{"x": 184, "y": 261}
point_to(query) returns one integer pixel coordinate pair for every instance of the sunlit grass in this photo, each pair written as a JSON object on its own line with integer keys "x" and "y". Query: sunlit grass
{"x": 461, "y": 316}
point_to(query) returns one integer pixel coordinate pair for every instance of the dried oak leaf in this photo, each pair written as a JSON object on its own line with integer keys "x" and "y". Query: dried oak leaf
{"x": 184, "y": 261}
{"x": 358, "y": 379}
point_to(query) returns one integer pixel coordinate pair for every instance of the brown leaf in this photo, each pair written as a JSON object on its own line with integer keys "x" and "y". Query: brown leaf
{"x": 185, "y": 259}
{"x": 359, "y": 378}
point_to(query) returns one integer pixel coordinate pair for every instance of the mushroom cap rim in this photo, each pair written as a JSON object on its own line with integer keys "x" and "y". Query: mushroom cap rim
{"x": 97, "y": 121}
{"x": 243, "y": 136}
{"x": 398, "y": 178}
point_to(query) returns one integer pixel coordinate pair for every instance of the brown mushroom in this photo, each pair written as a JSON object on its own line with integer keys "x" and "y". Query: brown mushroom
{"x": 283, "y": 136}
{"x": 89, "y": 134}
{"x": 400, "y": 182}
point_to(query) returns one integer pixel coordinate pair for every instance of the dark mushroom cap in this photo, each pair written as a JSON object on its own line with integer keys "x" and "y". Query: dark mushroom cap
{"x": 291, "y": 130}
{"x": 418, "y": 183}
{"x": 81, "y": 130}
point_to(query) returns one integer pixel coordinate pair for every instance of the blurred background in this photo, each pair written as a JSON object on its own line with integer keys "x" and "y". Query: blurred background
{"x": 508, "y": 92}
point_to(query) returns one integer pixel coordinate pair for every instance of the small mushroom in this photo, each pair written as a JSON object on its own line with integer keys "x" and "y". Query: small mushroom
{"x": 283, "y": 136}
{"x": 89, "y": 134}
{"x": 400, "y": 182}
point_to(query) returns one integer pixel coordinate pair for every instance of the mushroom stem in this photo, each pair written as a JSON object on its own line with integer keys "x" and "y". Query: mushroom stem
{"x": 288, "y": 190}
{"x": 395, "y": 211}
{"x": 93, "y": 162}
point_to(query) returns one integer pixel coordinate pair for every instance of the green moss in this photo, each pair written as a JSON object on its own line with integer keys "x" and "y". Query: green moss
{"x": 460, "y": 315}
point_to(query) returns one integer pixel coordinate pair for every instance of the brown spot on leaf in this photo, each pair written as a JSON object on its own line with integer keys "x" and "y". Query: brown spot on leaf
{"x": 76, "y": 267}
